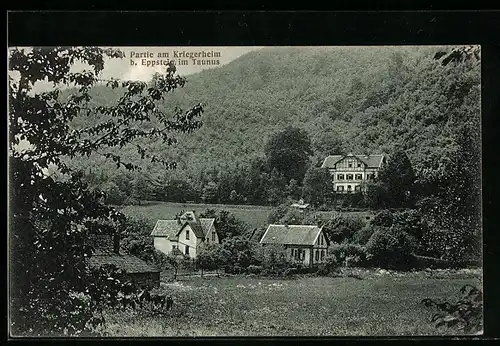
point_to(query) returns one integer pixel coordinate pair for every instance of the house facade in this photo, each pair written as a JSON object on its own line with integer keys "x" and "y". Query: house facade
{"x": 350, "y": 171}
{"x": 304, "y": 244}
{"x": 185, "y": 234}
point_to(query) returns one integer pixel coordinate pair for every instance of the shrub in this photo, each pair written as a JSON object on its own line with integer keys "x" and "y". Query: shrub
{"x": 329, "y": 266}
{"x": 363, "y": 235}
{"x": 290, "y": 271}
{"x": 340, "y": 228}
{"x": 466, "y": 315}
{"x": 346, "y": 254}
{"x": 391, "y": 248}
{"x": 253, "y": 269}
{"x": 323, "y": 270}
{"x": 241, "y": 251}
{"x": 383, "y": 218}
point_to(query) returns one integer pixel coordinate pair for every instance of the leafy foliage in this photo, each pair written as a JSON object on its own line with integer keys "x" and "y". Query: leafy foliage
{"x": 136, "y": 238}
{"x": 318, "y": 187}
{"x": 242, "y": 252}
{"x": 391, "y": 247}
{"x": 288, "y": 152}
{"x": 211, "y": 257}
{"x": 227, "y": 224}
{"x": 398, "y": 179}
{"x": 466, "y": 315}
{"x": 51, "y": 216}
{"x": 347, "y": 254}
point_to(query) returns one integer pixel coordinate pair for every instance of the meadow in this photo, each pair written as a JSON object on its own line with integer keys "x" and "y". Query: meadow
{"x": 254, "y": 216}
{"x": 374, "y": 303}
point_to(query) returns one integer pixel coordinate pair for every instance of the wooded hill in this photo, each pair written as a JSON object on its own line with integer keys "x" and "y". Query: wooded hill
{"x": 348, "y": 99}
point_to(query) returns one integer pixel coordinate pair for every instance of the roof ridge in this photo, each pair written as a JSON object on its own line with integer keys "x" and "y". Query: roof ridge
{"x": 293, "y": 225}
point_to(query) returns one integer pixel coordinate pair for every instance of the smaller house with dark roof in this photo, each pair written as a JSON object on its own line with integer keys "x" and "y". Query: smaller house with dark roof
{"x": 306, "y": 244}
{"x": 185, "y": 234}
{"x": 107, "y": 252}
{"x": 350, "y": 171}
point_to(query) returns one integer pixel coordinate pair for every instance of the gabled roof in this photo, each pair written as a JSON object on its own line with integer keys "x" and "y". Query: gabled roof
{"x": 372, "y": 161}
{"x": 291, "y": 234}
{"x": 171, "y": 228}
{"x": 129, "y": 263}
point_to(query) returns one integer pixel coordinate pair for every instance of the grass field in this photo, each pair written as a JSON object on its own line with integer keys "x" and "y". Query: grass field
{"x": 254, "y": 216}
{"x": 378, "y": 304}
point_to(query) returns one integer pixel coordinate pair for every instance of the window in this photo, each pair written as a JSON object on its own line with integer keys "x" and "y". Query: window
{"x": 349, "y": 176}
{"x": 187, "y": 250}
{"x": 187, "y": 234}
{"x": 340, "y": 188}
{"x": 316, "y": 257}
{"x": 322, "y": 254}
{"x": 359, "y": 176}
{"x": 213, "y": 236}
{"x": 357, "y": 188}
{"x": 350, "y": 164}
{"x": 359, "y": 164}
{"x": 340, "y": 176}
{"x": 349, "y": 188}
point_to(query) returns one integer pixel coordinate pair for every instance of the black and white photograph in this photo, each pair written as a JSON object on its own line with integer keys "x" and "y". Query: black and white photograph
{"x": 244, "y": 191}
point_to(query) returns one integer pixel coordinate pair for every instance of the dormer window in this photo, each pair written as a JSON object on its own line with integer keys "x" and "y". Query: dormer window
{"x": 187, "y": 234}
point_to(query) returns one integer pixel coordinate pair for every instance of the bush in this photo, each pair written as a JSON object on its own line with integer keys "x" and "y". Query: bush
{"x": 363, "y": 235}
{"x": 466, "y": 315}
{"x": 253, "y": 269}
{"x": 323, "y": 270}
{"x": 328, "y": 267}
{"x": 348, "y": 255}
{"x": 391, "y": 248}
{"x": 290, "y": 271}
{"x": 383, "y": 218}
{"x": 339, "y": 229}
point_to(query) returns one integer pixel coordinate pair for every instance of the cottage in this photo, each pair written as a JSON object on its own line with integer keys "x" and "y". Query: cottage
{"x": 350, "y": 171}
{"x": 303, "y": 243}
{"x": 185, "y": 234}
{"x": 107, "y": 252}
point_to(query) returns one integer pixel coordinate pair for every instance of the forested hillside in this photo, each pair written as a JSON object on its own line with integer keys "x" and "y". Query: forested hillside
{"x": 348, "y": 99}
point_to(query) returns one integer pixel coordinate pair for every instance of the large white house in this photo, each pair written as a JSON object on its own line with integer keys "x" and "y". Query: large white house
{"x": 350, "y": 171}
{"x": 184, "y": 234}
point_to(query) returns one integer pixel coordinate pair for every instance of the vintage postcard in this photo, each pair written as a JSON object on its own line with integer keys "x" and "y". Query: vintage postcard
{"x": 245, "y": 191}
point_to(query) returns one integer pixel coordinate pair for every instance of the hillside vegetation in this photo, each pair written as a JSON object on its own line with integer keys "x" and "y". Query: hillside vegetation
{"x": 347, "y": 99}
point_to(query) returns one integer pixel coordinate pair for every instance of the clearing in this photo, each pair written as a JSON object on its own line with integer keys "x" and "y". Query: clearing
{"x": 377, "y": 304}
{"x": 254, "y": 216}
